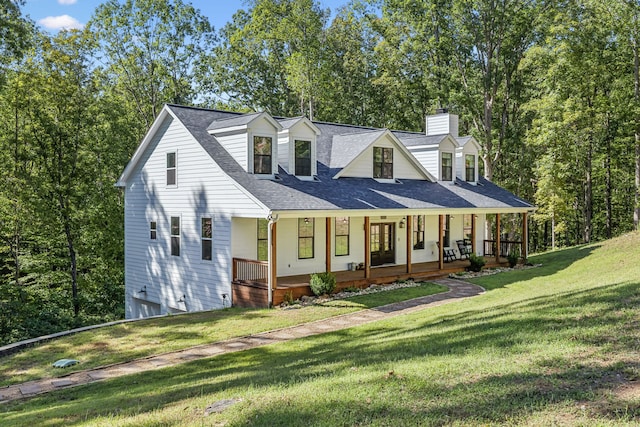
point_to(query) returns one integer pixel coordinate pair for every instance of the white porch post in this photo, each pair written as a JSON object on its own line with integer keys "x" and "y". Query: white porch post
{"x": 328, "y": 245}
{"x": 367, "y": 248}
{"x": 440, "y": 242}
{"x": 409, "y": 243}
{"x": 498, "y": 242}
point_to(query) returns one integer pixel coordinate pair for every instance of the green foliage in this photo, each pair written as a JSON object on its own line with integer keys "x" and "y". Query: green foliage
{"x": 513, "y": 258}
{"x": 323, "y": 283}
{"x": 476, "y": 262}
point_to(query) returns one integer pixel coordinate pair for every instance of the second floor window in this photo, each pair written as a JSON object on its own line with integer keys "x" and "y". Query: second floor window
{"x": 383, "y": 162}
{"x": 470, "y": 168}
{"x": 447, "y": 167}
{"x": 418, "y": 232}
{"x": 262, "y": 155}
{"x": 303, "y": 157}
{"x": 171, "y": 168}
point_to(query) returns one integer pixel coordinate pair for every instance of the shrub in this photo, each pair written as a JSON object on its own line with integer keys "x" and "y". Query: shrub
{"x": 512, "y": 258}
{"x": 323, "y": 283}
{"x": 476, "y": 262}
{"x": 288, "y": 297}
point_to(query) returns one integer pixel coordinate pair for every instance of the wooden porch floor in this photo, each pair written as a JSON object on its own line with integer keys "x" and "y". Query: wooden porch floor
{"x": 254, "y": 294}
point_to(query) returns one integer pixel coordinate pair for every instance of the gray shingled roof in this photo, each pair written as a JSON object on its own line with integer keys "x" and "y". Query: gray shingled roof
{"x": 347, "y": 147}
{"x": 411, "y": 139}
{"x": 228, "y": 122}
{"x": 286, "y": 123}
{"x": 290, "y": 193}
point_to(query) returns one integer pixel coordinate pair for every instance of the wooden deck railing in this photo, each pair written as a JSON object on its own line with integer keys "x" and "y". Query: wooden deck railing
{"x": 250, "y": 271}
{"x": 506, "y": 247}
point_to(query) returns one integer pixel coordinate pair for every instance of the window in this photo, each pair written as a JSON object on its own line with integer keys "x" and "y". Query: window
{"x": 446, "y": 234}
{"x": 418, "y": 232}
{"x": 342, "y": 236}
{"x": 467, "y": 226}
{"x": 383, "y": 163}
{"x": 175, "y": 235}
{"x": 262, "y": 154}
{"x": 305, "y": 237}
{"x": 206, "y": 235}
{"x": 153, "y": 227}
{"x": 303, "y": 157}
{"x": 470, "y": 168}
{"x": 447, "y": 167}
{"x": 263, "y": 240}
{"x": 171, "y": 168}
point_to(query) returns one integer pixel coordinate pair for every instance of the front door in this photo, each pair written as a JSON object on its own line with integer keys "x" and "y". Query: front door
{"x": 382, "y": 243}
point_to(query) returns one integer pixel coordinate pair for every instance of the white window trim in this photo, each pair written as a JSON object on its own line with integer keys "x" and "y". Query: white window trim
{"x": 179, "y": 216}
{"x": 206, "y": 261}
{"x": 274, "y": 155}
{"x": 152, "y": 229}
{"x": 292, "y": 157}
{"x": 175, "y": 152}
{"x": 453, "y": 166}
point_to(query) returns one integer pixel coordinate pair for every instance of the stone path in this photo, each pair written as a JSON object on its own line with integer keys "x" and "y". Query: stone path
{"x": 457, "y": 290}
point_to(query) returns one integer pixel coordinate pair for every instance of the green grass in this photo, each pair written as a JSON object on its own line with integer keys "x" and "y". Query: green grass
{"x": 554, "y": 345}
{"x": 136, "y": 340}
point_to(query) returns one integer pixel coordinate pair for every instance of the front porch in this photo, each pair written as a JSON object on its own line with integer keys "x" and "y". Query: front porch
{"x": 253, "y": 293}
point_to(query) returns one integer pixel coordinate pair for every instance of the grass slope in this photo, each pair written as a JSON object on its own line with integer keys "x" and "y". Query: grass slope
{"x": 555, "y": 345}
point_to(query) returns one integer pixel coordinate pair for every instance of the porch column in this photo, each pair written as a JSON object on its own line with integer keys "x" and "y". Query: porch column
{"x": 473, "y": 233}
{"x": 440, "y": 242}
{"x": 272, "y": 279}
{"x": 525, "y": 238}
{"x": 367, "y": 248}
{"x": 409, "y": 245}
{"x": 498, "y": 243}
{"x": 328, "y": 245}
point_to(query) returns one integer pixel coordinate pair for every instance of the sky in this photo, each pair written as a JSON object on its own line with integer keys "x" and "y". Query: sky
{"x": 54, "y": 15}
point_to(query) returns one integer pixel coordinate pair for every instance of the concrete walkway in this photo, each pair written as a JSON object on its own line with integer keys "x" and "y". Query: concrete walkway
{"x": 457, "y": 290}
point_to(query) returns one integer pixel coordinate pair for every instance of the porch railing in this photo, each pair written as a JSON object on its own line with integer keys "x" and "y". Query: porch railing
{"x": 250, "y": 271}
{"x": 506, "y": 247}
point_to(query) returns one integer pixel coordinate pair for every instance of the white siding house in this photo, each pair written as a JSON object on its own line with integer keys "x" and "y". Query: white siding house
{"x": 226, "y": 208}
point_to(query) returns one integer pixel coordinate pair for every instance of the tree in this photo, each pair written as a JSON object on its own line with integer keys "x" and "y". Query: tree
{"x": 150, "y": 51}
{"x": 271, "y": 57}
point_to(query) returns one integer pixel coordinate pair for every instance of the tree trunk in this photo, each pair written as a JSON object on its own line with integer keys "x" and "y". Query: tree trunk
{"x": 73, "y": 264}
{"x": 636, "y": 75}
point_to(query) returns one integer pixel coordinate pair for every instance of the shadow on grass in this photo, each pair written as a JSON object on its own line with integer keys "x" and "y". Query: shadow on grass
{"x": 551, "y": 263}
{"x": 495, "y": 366}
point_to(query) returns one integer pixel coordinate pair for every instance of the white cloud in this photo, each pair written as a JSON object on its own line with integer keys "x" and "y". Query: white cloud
{"x": 63, "y": 22}
{"x": 67, "y": 2}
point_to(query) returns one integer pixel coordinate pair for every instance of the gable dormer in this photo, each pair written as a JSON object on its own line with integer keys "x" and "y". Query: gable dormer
{"x": 376, "y": 154}
{"x": 467, "y": 155}
{"x": 252, "y": 140}
{"x": 297, "y": 147}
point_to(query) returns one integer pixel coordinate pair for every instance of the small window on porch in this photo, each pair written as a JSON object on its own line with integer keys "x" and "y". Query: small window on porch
{"x": 447, "y": 231}
{"x": 305, "y": 237}
{"x": 303, "y": 157}
{"x": 447, "y": 166}
{"x": 342, "y": 236}
{"x": 467, "y": 227}
{"x": 263, "y": 239}
{"x": 206, "y": 238}
{"x": 469, "y": 168}
{"x": 383, "y": 162}
{"x": 418, "y": 232}
{"x": 175, "y": 235}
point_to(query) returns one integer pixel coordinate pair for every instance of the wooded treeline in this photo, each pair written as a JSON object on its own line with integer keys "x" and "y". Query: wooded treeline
{"x": 550, "y": 89}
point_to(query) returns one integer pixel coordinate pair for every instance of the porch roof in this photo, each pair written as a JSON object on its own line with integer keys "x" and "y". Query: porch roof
{"x": 290, "y": 193}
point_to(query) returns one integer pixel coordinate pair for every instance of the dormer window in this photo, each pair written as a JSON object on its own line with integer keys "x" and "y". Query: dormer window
{"x": 447, "y": 167}
{"x": 383, "y": 163}
{"x": 303, "y": 157}
{"x": 470, "y": 168}
{"x": 262, "y": 155}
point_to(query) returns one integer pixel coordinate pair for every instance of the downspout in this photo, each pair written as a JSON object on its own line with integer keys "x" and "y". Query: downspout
{"x": 273, "y": 219}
